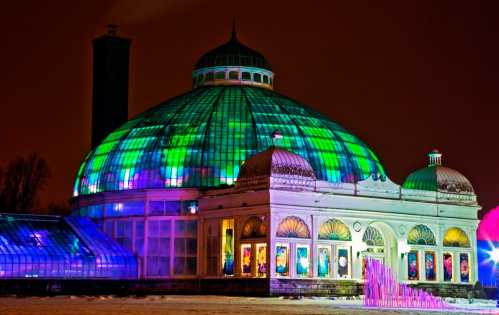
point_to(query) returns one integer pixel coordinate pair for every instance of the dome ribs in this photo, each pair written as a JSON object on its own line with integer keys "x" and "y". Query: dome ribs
{"x": 200, "y": 139}
{"x": 160, "y": 138}
{"x": 215, "y": 105}
{"x": 175, "y": 156}
{"x": 250, "y": 110}
{"x": 300, "y": 131}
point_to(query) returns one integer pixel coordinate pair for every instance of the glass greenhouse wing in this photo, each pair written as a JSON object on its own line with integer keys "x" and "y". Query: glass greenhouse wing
{"x": 52, "y": 247}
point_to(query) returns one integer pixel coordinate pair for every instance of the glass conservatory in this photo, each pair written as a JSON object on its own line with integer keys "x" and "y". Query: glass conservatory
{"x": 50, "y": 247}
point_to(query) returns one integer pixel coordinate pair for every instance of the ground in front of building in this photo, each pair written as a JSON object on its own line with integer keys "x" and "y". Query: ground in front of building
{"x": 212, "y": 305}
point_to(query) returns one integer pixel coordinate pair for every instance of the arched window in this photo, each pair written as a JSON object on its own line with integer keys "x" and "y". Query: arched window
{"x": 209, "y": 76}
{"x": 334, "y": 230}
{"x": 257, "y": 77}
{"x": 220, "y": 75}
{"x": 254, "y": 228}
{"x": 373, "y": 237}
{"x": 455, "y": 237}
{"x": 265, "y": 79}
{"x": 246, "y": 76}
{"x": 421, "y": 235}
{"x": 293, "y": 227}
{"x": 233, "y": 75}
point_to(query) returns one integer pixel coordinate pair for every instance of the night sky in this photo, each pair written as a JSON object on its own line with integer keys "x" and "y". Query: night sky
{"x": 404, "y": 76}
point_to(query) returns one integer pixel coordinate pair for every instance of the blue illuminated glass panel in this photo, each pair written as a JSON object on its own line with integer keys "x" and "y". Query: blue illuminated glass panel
{"x": 52, "y": 247}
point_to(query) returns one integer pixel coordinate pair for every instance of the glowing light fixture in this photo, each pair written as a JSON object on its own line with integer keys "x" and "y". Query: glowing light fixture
{"x": 494, "y": 255}
{"x": 193, "y": 209}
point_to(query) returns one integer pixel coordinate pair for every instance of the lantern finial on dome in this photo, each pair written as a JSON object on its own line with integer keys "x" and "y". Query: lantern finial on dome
{"x": 435, "y": 157}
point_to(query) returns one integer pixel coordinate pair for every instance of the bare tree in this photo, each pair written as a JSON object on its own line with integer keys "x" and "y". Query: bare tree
{"x": 23, "y": 179}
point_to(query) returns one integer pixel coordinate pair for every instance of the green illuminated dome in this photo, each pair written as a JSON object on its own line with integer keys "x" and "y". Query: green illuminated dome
{"x": 201, "y": 138}
{"x": 438, "y": 178}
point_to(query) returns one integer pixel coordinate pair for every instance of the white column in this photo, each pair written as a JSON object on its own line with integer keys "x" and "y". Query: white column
{"x": 356, "y": 258}
{"x": 271, "y": 245}
{"x": 313, "y": 250}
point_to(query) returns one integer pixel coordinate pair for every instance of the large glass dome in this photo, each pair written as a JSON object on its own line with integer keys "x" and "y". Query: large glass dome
{"x": 201, "y": 138}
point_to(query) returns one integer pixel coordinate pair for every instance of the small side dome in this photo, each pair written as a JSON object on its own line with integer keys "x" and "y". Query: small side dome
{"x": 438, "y": 178}
{"x": 276, "y": 166}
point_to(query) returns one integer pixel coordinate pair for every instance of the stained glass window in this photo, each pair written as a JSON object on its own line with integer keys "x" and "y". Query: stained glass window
{"x": 334, "y": 230}
{"x": 293, "y": 227}
{"x": 447, "y": 266}
{"x": 430, "y": 266}
{"x": 302, "y": 260}
{"x": 324, "y": 260}
{"x": 421, "y": 235}
{"x": 261, "y": 259}
{"x": 343, "y": 263}
{"x": 373, "y": 237}
{"x": 456, "y": 237}
{"x": 254, "y": 227}
{"x": 282, "y": 259}
{"x": 228, "y": 247}
{"x": 413, "y": 265}
{"x": 246, "y": 259}
{"x": 464, "y": 267}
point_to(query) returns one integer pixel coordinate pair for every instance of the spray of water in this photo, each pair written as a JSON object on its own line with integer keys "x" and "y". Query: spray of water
{"x": 381, "y": 289}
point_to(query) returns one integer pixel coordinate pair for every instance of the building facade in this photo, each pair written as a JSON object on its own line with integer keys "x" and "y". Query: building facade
{"x": 234, "y": 181}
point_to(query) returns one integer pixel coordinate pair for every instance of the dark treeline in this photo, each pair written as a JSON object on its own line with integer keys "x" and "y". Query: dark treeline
{"x": 20, "y": 183}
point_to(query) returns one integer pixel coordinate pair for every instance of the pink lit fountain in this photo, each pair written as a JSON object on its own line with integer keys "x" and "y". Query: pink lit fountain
{"x": 381, "y": 289}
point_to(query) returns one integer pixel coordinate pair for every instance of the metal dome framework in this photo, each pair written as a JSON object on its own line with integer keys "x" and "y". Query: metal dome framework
{"x": 201, "y": 139}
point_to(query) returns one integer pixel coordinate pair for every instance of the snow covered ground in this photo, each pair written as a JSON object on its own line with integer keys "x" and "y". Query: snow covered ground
{"x": 212, "y": 305}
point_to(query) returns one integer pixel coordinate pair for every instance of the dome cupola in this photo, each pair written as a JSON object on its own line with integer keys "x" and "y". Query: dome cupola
{"x": 438, "y": 178}
{"x": 276, "y": 166}
{"x": 233, "y": 64}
